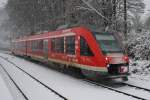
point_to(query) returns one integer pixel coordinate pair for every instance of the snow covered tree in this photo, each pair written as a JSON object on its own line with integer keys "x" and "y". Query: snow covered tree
{"x": 139, "y": 45}
{"x": 28, "y": 16}
{"x": 147, "y": 23}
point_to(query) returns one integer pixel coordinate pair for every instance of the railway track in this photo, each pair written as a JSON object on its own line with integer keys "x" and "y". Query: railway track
{"x": 23, "y": 94}
{"x": 137, "y": 87}
{"x": 120, "y": 91}
{"x": 46, "y": 86}
{"x": 92, "y": 82}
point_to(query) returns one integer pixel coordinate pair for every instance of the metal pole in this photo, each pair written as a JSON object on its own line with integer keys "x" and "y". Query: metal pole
{"x": 125, "y": 19}
{"x": 114, "y": 15}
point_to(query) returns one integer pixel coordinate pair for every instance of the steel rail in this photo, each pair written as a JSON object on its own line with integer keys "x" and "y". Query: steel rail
{"x": 46, "y": 86}
{"x": 113, "y": 89}
{"x": 14, "y": 82}
{"x": 138, "y": 87}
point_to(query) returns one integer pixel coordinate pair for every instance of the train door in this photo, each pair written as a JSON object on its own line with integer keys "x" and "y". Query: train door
{"x": 45, "y": 48}
{"x": 25, "y": 48}
{"x": 86, "y": 53}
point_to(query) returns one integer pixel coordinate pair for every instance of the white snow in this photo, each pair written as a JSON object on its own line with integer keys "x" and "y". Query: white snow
{"x": 140, "y": 73}
{"x": 138, "y": 45}
{"x": 4, "y": 91}
{"x": 73, "y": 89}
{"x": 3, "y": 3}
{"x": 140, "y": 67}
{"x": 30, "y": 87}
{"x": 140, "y": 93}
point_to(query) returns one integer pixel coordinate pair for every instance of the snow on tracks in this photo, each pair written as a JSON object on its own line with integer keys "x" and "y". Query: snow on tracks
{"x": 129, "y": 93}
{"x": 4, "y": 91}
{"x": 72, "y": 88}
{"x": 30, "y": 87}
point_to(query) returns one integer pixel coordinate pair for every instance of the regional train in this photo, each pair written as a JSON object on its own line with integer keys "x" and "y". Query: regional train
{"x": 95, "y": 54}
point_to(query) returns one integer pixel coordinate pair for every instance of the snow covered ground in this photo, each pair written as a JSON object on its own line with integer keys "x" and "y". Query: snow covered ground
{"x": 140, "y": 67}
{"x": 140, "y": 73}
{"x": 73, "y": 89}
{"x": 4, "y": 91}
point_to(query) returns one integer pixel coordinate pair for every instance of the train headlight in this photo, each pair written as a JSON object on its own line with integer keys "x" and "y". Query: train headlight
{"x": 126, "y": 58}
{"x": 107, "y": 59}
{"x": 108, "y": 65}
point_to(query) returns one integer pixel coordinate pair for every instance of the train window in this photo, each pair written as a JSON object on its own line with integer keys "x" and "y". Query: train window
{"x": 45, "y": 46}
{"x": 70, "y": 45}
{"x": 108, "y": 43}
{"x": 84, "y": 48}
{"x": 61, "y": 45}
{"x": 28, "y": 44}
{"x": 53, "y": 45}
{"x": 23, "y": 45}
{"x": 16, "y": 45}
{"x": 57, "y": 45}
{"x": 20, "y": 45}
{"x": 37, "y": 45}
{"x": 33, "y": 45}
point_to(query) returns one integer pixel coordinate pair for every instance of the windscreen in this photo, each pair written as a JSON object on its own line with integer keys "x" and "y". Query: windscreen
{"x": 108, "y": 43}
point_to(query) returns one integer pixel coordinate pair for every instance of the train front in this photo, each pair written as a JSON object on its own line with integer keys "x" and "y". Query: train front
{"x": 117, "y": 62}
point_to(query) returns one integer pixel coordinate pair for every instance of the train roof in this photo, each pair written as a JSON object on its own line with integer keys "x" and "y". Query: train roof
{"x": 63, "y": 32}
{"x": 53, "y": 33}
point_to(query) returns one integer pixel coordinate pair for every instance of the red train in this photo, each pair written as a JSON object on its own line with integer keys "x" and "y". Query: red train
{"x": 96, "y": 54}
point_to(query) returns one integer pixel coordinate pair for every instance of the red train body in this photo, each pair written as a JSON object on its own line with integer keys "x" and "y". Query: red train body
{"x": 96, "y": 54}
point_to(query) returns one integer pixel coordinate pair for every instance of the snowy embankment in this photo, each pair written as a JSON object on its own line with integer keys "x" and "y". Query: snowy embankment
{"x": 31, "y": 89}
{"x": 140, "y": 73}
{"x": 140, "y": 68}
{"x": 69, "y": 87}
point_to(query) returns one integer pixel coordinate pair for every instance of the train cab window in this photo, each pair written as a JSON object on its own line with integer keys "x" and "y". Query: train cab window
{"x": 70, "y": 45}
{"x": 108, "y": 43}
{"x": 84, "y": 48}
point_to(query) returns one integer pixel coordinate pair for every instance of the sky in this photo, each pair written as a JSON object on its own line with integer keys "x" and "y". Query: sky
{"x": 147, "y": 2}
{"x": 2, "y": 3}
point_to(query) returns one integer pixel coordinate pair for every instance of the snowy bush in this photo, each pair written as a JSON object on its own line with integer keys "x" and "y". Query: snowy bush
{"x": 140, "y": 67}
{"x": 138, "y": 45}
